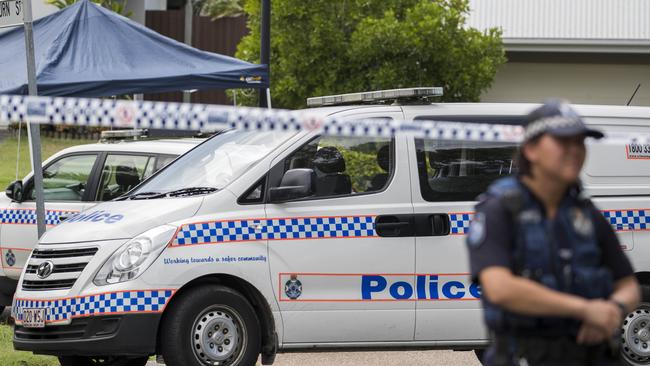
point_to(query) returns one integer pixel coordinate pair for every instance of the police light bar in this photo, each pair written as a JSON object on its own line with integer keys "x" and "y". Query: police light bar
{"x": 122, "y": 134}
{"x": 374, "y": 96}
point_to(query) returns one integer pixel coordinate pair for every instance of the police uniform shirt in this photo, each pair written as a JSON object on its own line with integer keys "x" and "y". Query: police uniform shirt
{"x": 493, "y": 241}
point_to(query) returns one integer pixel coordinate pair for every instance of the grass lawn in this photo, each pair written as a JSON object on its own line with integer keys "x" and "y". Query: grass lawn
{"x": 8, "y": 147}
{"x": 8, "y": 150}
{"x": 9, "y": 357}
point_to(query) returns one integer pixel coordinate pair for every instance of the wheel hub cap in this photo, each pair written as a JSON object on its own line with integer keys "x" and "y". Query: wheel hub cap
{"x": 216, "y": 337}
{"x": 635, "y": 335}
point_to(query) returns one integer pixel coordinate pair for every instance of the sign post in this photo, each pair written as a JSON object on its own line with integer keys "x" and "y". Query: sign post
{"x": 13, "y": 13}
{"x": 34, "y": 128}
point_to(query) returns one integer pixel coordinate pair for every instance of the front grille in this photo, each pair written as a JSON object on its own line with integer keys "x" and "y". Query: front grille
{"x": 67, "y": 267}
{"x": 64, "y": 253}
{"x": 81, "y": 328}
{"x": 76, "y": 330}
{"x": 60, "y": 268}
{"x": 48, "y": 285}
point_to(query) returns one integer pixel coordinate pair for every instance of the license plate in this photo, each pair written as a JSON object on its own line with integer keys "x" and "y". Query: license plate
{"x": 34, "y": 318}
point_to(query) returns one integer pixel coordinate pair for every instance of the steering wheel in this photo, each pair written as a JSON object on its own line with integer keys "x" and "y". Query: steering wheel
{"x": 77, "y": 188}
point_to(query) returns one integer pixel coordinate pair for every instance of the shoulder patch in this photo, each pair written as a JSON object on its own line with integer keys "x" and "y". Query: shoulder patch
{"x": 476, "y": 234}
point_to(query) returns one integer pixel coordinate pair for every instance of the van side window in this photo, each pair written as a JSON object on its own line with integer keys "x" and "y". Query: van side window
{"x": 66, "y": 179}
{"x": 121, "y": 173}
{"x": 345, "y": 165}
{"x": 460, "y": 171}
{"x": 255, "y": 194}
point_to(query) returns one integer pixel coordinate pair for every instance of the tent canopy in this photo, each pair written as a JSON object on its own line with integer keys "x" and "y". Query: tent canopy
{"x": 86, "y": 50}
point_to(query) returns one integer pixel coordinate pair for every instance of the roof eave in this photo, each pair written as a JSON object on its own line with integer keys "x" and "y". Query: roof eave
{"x": 576, "y": 45}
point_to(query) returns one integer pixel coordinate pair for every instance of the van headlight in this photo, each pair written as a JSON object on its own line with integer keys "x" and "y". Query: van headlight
{"x": 135, "y": 256}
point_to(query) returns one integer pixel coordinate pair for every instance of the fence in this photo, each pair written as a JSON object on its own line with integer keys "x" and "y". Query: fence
{"x": 219, "y": 36}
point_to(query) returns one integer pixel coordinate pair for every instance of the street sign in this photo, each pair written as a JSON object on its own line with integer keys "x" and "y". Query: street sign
{"x": 11, "y": 13}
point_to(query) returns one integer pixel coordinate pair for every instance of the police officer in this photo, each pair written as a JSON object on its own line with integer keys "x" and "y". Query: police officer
{"x": 555, "y": 282}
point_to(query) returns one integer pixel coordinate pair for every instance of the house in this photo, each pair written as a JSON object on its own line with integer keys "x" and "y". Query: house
{"x": 587, "y": 51}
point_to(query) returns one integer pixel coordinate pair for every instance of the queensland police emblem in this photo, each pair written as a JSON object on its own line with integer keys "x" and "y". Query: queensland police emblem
{"x": 581, "y": 222}
{"x": 293, "y": 288}
{"x": 476, "y": 233}
{"x": 10, "y": 258}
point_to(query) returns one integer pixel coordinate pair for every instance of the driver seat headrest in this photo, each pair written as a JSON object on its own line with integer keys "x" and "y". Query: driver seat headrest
{"x": 127, "y": 176}
{"x": 329, "y": 160}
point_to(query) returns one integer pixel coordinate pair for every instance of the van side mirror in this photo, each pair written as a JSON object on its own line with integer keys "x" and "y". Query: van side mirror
{"x": 15, "y": 191}
{"x": 295, "y": 184}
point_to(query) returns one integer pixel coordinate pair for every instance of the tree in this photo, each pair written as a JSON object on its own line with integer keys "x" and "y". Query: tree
{"x": 118, "y": 6}
{"x": 322, "y": 47}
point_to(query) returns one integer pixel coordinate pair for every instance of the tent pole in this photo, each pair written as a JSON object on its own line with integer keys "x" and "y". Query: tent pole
{"x": 268, "y": 98}
{"x": 137, "y": 98}
{"x": 34, "y": 128}
{"x": 265, "y": 47}
{"x": 189, "y": 17}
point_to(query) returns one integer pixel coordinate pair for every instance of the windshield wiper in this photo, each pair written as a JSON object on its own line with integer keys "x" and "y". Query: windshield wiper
{"x": 191, "y": 191}
{"x": 137, "y": 196}
{"x": 183, "y": 192}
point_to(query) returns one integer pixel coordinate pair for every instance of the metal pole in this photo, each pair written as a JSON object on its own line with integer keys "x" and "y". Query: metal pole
{"x": 137, "y": 98}
{"x": 34, "y": 130}
{"x": 265, "y": 47}
{"x": 189, "y": 15}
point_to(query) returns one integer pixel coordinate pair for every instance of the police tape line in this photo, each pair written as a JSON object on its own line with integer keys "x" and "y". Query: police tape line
{"x": 204, "y": 117}
{"x": 184, "y": 116}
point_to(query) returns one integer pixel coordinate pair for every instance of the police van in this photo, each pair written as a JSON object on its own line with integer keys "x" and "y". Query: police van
{"x": 75, "y": 179}
{"x": 258, "y": 242}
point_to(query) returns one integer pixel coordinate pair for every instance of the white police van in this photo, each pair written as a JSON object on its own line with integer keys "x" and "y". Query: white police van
{"x": 263, "y": 241}
{"x": 74, "y": 179}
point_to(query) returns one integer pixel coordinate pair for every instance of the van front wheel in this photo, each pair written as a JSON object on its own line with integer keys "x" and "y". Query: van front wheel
{"x": 210, "y": 325}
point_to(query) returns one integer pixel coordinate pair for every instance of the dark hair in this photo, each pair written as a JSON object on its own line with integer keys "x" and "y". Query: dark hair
{"x": 523, "y": 164}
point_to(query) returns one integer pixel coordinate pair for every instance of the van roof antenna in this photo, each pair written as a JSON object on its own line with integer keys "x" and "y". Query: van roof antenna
{"x": 633, "y": 94}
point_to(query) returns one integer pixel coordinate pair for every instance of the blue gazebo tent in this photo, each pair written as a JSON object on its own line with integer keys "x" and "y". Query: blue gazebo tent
{"x": 86, "y": 50}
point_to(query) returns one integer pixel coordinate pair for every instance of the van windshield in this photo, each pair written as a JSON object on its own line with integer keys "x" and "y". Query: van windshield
{"x": 213, "y": 164}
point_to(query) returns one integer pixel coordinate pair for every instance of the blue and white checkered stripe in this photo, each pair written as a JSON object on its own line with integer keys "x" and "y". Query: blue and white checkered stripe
{"x": 178, "y": 116}
{"x": 28, "y": 217}
{"x": 459, "y": 222}
{"x": 347, "y": 227}
{"x": 628, "y": 220}
{"x": 621, "y": 220}
{"x": 100, "y": 304}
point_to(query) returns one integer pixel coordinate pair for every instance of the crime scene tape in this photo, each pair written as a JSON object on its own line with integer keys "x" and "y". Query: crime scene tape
{"x": 204, "y": 117}
{"x": 184, "y": 116}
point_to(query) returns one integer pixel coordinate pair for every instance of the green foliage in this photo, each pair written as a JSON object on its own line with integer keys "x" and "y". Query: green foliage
{"x": 118, "y": 6}
{"x": 361, "y": 167}
{"x": 9, "y": 357}
{"x": 222, "y": 8}
{"x": 322, "y": 47}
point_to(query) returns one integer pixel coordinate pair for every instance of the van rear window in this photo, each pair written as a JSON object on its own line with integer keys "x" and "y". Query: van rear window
{"x": 461, "y": 170}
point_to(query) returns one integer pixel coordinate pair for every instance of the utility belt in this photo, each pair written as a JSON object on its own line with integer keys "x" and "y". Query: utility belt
{"x": 513, "y": 350}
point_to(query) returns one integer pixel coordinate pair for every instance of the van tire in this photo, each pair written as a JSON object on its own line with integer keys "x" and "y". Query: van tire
{"x": 210, "y": 323}
{"x": 99, "y": 361}
{"x": 632, "y": 355}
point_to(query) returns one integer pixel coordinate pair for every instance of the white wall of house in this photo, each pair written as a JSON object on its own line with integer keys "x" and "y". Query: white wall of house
{"x": 40, "y": 8}
{"x": 564, "y": 44}
{"x": 579, "y": 83}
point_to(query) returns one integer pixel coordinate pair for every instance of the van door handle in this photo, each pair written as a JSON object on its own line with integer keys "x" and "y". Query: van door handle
{"x": 440, "y": 224}
{"x": 394, "y": 225}
{"x": 432, "y": 224}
